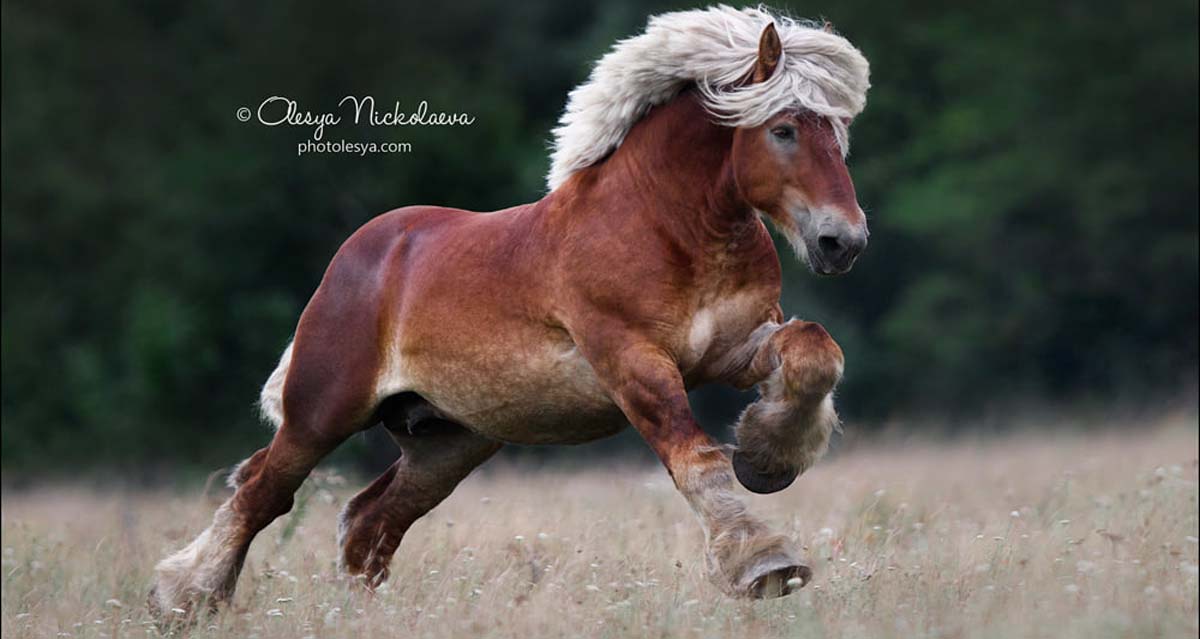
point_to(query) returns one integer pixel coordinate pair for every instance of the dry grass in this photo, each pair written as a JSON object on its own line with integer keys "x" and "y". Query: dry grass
{"x": 1031, "y": 536}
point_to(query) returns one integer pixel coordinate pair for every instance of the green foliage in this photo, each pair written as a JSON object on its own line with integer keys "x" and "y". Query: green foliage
{"x": 1034, "y": 178}
{"x": 1030, "y": 179}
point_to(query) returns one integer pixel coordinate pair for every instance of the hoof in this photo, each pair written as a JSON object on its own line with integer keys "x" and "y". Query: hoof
{"x": 179, "y": 596}
{"x": 780, "y": 582}
{"x": 775, "y": 576}
{"x": 178, "y": 613}
{"x": 759, "y": 482}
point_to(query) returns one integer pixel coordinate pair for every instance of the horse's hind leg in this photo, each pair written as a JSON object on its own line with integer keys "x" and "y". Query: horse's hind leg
{"x": 206, "y": 571}
{"x": 328, "y": 396}
{"x": 431, "y": 464}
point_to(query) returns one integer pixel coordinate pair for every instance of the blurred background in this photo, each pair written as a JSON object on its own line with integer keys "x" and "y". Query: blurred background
{"x": 1030, "y": 176}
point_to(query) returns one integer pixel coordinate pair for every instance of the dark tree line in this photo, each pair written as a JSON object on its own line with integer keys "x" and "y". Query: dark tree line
{"x": 1029, "y": 174}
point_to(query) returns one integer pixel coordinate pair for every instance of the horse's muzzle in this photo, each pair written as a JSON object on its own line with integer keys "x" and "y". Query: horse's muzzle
{"x": 837, "y": 250}
{"x": 760, "y": 482}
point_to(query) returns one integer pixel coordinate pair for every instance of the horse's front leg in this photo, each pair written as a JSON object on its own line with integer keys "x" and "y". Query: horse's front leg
{"x": 744, "y": 557}
{"x": 796, "y": 366}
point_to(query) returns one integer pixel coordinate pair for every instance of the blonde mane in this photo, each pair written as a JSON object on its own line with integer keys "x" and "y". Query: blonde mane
{"x": 713, "y": 48}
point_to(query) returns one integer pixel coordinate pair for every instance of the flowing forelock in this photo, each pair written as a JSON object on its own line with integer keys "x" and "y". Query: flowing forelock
{"x": 715, "y": 49}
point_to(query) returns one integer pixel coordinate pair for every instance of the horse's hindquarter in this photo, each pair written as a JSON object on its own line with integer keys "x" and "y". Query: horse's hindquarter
{"x": 469, "y": 331}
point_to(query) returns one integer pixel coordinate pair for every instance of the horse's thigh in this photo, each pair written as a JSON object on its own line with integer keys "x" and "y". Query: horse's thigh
{"x": 430, "y": 467}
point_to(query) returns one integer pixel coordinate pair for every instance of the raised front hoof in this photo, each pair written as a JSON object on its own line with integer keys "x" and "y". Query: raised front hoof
{"x": 757, "y": 481}
{"x": 773, "y": 577}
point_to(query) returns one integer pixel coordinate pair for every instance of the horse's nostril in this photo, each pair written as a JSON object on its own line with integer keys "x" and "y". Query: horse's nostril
{"x": 830, "y": 245}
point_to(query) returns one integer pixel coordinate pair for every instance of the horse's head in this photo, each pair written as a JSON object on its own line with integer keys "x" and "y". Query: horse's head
{"x": 791, "y": 168}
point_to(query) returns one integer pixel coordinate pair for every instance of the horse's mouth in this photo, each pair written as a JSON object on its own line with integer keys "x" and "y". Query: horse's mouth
{"x": 818, "y": 266}
{"x": 823, "y": 269}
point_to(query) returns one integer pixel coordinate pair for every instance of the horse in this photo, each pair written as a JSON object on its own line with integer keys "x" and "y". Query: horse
{"x": 645, "y": 271}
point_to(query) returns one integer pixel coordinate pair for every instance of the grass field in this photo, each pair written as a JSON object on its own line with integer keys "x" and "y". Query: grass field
{"x": 1047, "y": 535}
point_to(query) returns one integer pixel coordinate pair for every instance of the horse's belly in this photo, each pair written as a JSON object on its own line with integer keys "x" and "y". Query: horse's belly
{"x": 542, "y": 394}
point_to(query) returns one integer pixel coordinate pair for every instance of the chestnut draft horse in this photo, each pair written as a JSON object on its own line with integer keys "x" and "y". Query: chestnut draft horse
{"x": 646, "y": 271}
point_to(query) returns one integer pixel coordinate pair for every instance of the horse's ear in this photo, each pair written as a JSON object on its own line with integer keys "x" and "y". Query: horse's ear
{"x": 770, "y": 49}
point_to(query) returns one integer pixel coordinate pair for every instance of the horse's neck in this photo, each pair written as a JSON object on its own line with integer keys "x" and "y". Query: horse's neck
{"x": 673, "y": 170}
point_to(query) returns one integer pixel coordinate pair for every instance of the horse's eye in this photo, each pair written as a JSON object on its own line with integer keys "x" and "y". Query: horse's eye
{"x": 784, "y": 133}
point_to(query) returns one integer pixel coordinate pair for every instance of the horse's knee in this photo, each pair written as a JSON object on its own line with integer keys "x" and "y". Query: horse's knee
{"x": 697, "y": 466}
{"x": 811, "y": 363}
